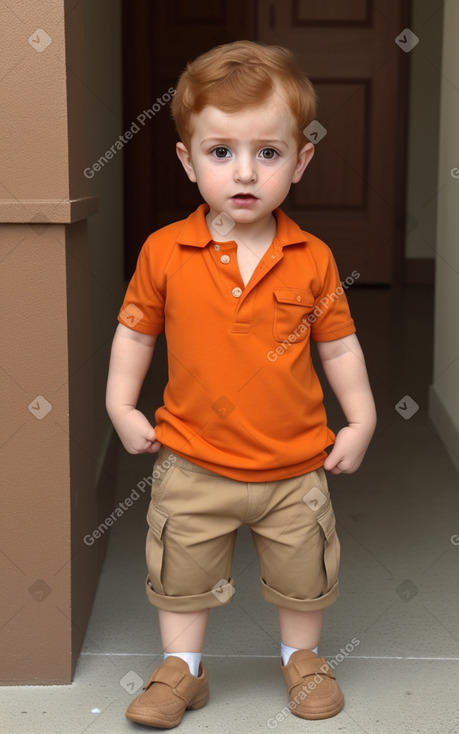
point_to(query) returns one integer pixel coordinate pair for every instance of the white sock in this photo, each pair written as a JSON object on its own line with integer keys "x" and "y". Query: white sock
{"x": 286, "y": 651}
{"x": 191, "y": 658}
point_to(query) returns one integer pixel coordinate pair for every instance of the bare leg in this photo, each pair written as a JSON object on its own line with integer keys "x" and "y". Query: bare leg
{"x": 183, "y": 631}
{"x": 300, "y": 629}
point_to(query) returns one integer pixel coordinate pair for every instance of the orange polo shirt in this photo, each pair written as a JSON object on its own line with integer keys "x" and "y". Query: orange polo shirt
{"x": 243, "y": 398}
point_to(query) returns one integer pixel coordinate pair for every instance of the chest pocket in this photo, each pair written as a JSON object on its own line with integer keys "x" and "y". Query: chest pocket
{"x": 291, "y": 306}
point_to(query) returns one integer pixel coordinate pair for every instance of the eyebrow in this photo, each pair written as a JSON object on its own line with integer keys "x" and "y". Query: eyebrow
{"x": 261, "y": 141}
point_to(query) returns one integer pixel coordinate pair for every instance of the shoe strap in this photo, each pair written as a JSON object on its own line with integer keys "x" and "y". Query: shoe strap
{"x": 296, "y": 671}
{"x": 183, "y": 683}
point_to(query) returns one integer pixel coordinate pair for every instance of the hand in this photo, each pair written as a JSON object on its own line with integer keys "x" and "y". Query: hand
{"x": 136, "y": 433}
{"x": 349, "y": 449}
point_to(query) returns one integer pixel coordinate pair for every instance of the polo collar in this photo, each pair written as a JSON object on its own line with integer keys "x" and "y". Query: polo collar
{"x": 195, "y": 231}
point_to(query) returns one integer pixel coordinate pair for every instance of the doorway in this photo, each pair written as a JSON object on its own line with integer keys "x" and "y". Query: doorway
{"x": 352, "y": 195}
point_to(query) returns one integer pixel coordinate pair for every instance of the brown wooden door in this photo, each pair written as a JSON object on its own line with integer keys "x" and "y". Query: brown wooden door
{"x": 352, "y": 194}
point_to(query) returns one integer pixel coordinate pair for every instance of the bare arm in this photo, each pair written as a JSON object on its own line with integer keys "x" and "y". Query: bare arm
{"x": 129, "y": 362}
{"x": 344, "y": 366}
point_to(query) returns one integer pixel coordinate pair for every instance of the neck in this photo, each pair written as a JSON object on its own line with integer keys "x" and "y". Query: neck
{"x": 253, "y": 232}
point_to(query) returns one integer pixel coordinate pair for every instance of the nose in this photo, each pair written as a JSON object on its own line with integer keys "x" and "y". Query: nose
{"x": 245, "y": 169}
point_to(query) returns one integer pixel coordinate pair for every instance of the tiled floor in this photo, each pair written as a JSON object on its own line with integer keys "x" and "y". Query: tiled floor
{"x": 396, "y": 618}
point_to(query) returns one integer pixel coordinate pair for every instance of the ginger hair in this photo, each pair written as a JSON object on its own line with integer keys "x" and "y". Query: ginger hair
{"x": 238, "y": 75}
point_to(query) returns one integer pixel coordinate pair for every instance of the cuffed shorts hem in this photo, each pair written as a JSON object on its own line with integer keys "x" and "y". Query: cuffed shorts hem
{"x": 300, "y": 605}
{"x": 217, "y": 597}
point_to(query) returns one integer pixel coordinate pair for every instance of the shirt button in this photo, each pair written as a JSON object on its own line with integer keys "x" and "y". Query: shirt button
{"x": 216, "y": 247}
{"x": 298, "y": 298}
{"x": 225, "y": 259}
{"x": 236, "y": 292}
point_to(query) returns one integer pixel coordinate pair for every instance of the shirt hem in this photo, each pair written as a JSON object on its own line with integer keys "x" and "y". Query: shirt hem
{"x": 145, "y": 328}
{"x": 257, "y": 475}
{"x": 332, "y": 335}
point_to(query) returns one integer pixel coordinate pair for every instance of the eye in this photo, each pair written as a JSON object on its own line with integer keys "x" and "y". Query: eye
{"x": 268, "y": 154}
{"x": 221, "y": 152}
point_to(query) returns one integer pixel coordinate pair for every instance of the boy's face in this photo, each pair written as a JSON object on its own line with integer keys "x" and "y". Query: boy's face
{"x": 244, "y": 163}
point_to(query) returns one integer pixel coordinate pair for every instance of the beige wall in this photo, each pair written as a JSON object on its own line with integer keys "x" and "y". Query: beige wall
{"x": 35, "y": 457}
{"x": 47, "y": 445}
{"x": 444, "y": 393}
{"x": 423, "y": 130}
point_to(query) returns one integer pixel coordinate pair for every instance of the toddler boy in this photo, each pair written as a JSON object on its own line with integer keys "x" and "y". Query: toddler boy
{"x": 240, "y": 290}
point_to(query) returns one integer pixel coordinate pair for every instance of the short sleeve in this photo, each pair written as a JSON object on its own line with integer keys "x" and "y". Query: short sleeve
{"x": 143, "y": 305}
{"x": 331, "y": 317}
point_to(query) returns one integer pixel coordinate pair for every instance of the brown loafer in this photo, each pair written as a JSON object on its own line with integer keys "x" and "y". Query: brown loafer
{"x": 312, "y": 687}
{"x": 168, "y": 693}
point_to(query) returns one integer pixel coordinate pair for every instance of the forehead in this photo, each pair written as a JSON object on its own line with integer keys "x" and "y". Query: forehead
{"x": 272, "y": 118}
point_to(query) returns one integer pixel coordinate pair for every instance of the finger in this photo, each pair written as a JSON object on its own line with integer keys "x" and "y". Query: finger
{"x": 331, "y": 461}
{"x": 153, "y": 447}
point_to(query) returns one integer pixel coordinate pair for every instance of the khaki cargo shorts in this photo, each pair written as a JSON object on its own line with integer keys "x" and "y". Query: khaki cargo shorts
{"x": 193, "y": 519}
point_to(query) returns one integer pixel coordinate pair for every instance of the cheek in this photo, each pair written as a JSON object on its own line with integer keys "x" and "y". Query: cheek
{"x": 212, "y": 177}
{"x": 274, "y": 181}
{"x": 210, "y": 184}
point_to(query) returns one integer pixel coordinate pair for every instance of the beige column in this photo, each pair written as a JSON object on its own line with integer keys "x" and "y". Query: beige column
{"x": 48, "y": 574}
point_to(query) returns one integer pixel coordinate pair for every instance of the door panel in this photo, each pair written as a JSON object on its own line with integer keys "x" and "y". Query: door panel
{"x": 351, "y": 195}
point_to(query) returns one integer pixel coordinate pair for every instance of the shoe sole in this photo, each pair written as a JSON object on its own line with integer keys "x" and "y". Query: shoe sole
{"x": 318, "y": 715}
{"x": 160, "y": 722}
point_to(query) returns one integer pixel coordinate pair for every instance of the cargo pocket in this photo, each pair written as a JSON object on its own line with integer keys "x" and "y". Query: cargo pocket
{"x": 292, "y": 307}
{"x": 154, "y": 550}
{"x": 327, "y": 522}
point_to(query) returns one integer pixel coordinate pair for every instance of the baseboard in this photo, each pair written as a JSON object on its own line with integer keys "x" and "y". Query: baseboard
{"x": 444, "y": 425}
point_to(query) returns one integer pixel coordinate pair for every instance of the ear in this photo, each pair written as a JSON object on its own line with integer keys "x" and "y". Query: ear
{"x": 185, "y": 160}
{"x": 304, "y": 158}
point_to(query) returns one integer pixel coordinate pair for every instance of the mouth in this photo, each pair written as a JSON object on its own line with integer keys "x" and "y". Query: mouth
{"x": 244, "y": 199}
